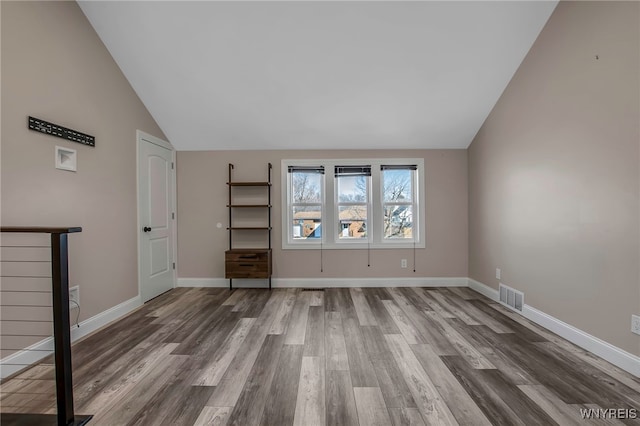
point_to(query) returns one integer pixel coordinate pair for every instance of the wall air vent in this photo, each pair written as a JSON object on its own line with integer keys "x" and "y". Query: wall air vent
{"x": 511, "y": 297}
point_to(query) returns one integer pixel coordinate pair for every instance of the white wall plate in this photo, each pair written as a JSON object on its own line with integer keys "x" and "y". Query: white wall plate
{"x": 66, "y": 159}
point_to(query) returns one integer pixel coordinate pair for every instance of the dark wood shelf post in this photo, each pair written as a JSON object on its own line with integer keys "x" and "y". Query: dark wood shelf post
{"x": 269, "y": 209}
{"x": 230, "y": 222}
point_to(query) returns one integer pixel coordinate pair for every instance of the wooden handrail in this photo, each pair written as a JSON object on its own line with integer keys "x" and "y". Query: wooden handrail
{"x": 40, "y": 229}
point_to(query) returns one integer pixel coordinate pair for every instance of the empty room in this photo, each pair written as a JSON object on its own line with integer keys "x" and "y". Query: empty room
{"x": 320, "y": 213}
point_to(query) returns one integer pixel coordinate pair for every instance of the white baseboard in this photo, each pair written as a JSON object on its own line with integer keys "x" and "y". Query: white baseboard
{"x": 607, "y": 351}
{"x": 483, "y": 289}
{"x": 202, "y": 282}
{"x": 30, "y": 355}
{"x": 34, "y": 353}
{"x": 616, "y": 356}
{"x": 327, "y": 282}
{"x": 96, "y": 322}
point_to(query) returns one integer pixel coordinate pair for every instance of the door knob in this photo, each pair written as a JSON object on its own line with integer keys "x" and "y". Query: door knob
{"x": 147, "y": 229}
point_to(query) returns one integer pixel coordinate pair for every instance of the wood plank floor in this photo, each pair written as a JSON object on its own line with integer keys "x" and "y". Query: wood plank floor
{"x": 370, "y": 356}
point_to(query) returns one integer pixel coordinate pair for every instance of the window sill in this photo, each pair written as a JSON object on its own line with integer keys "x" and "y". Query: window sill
{"x": 351, "y": 246}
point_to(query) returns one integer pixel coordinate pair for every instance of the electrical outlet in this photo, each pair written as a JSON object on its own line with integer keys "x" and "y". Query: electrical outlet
{"x": 635, "y": 324}
{"x": 498, "y": 274}
{"x": 403, "y": 263}
{"x": 74, "y": 296}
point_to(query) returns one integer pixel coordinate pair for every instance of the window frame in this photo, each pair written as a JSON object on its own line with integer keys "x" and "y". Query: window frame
{"x": 337, "y": 204}
{"x": 413, "y": 203}
{"x": 375, "y": 221}
{"x": 288, "y": 187}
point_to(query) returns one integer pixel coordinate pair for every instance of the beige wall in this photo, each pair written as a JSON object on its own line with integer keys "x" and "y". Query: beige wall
{"x": 55, "y": 67}
{"x": 202, "y": 196}
{"x": 554, "y": 174}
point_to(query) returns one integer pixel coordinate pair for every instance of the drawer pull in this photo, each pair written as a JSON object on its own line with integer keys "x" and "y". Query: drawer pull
{"x": 248, "y": 256}
{"x": 246, "y": 265}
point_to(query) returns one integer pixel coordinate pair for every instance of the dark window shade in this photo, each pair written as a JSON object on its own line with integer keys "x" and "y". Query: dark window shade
{"x": 306, "y": 169}
{"x": 399, "y": 167}
{"x": 353, "y": 171}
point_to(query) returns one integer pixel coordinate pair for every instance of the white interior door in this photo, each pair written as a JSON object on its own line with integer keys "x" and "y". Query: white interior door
{"x": 155, "y": 210}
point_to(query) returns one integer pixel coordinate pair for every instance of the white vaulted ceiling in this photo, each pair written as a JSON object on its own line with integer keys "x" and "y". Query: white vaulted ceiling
{"x": 318, "y": 75}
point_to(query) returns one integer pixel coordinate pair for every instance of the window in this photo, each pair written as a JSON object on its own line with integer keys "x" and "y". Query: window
{"x": 364, "y": 203}
{"x": 305, "y": 206}
{"x": 352, "y": 201}
{"x": 398, "y": 200}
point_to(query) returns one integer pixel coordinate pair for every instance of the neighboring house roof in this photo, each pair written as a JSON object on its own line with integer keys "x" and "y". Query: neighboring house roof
{"x": 354, "y": 213}
{"x": 351, "y": 213}
{"x": 307, "y": 215}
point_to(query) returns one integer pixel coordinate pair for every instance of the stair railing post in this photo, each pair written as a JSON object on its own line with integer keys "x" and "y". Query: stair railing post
{"x": 62, "y": 328}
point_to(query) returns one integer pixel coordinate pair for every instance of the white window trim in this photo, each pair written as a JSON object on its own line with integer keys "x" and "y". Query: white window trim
{"x": 336, "y": 210}
{"x": 287, "y": 241}
{"x": 374, "y": 239}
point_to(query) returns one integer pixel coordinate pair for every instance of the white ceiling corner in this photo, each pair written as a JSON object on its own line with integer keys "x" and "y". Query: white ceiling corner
{"x": 318, "y": 75}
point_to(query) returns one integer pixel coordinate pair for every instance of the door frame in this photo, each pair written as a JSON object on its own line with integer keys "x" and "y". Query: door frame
{"x": 142, "y": 137}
